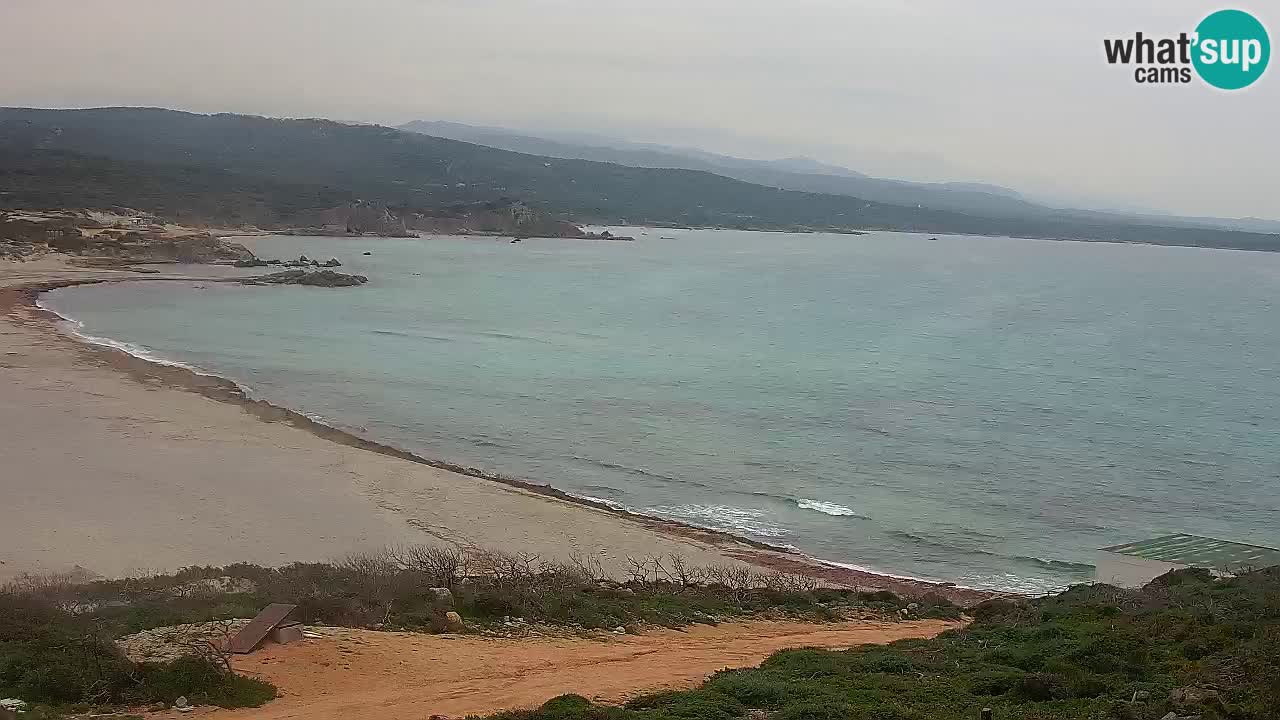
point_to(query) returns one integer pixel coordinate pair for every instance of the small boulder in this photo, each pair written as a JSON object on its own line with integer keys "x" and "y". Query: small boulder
{"x": 331, "y": 262}
{"x": 453, "y": 622}
{"x": 1192, "y": 695}
{"x": 440, "y": 597}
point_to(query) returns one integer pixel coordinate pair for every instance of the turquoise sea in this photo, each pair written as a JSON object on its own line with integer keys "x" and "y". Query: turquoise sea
{"x": 986, "y": 411}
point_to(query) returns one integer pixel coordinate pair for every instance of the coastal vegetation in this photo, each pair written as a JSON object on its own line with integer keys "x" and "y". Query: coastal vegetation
{"x": 63, "y": 657}
{"x": 289, "y": 173}
{"x": 58, "y": 635}
{"x": 1186, "y": 646}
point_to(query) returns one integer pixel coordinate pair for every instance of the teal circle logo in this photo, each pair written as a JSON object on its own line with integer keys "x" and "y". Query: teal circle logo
{"x": 1232, "y": 49}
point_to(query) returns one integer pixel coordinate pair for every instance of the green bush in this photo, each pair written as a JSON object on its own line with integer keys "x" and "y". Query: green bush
{"x": 565, "y": 707}
{"x": 816, "y": 711}
{"x": 52, "y": 657}
{"x": 754, "y": 690}
{"x": 707, "y": 704}
{"x": 200, "y": 682}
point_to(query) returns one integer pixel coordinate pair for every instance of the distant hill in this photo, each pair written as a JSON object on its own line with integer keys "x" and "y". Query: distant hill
{"x": 279, "y": 166}
{"x": 803, "y": 174}
{"x": 809, "y": 175}
{"x": 51, "y": 179}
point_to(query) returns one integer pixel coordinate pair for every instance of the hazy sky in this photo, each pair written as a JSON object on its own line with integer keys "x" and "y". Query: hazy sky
{"x": 1013, "y": 92}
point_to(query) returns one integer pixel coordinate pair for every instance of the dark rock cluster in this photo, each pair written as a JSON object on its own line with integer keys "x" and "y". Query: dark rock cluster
{"x": 313, "y": 278}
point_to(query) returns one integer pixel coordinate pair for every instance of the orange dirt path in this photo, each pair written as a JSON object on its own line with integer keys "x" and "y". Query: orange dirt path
{"x": 355, "y": 674}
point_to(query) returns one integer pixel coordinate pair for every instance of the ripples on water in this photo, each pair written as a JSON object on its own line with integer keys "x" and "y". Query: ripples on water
{"x": 981, "y": 410}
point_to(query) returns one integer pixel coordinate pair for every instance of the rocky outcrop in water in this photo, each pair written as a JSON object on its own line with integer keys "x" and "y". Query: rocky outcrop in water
{"x": 301, "y": 262}
{"x": 312, "y": 278}
{"x": 499, "y": 217}
{"x": 356, "y": 218}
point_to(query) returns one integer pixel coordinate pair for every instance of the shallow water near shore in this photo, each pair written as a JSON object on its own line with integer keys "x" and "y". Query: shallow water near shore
{"x": 985, "y": 411}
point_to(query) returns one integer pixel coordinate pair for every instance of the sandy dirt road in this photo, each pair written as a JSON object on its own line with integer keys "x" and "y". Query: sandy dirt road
{"x": 355, "y": 675}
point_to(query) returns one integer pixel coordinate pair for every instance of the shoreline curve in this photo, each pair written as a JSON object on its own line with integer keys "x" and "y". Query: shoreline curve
{"x": 782, "y": 559}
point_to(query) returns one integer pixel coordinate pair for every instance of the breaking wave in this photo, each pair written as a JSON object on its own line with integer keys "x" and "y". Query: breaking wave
{"x": 76, "y": 328}
{"x": 827, "y": 508}
{"x": 743, "y": 521}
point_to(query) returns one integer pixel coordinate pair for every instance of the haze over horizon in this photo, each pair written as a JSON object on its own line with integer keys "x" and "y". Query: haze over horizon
{"x": 1007, "y": 93}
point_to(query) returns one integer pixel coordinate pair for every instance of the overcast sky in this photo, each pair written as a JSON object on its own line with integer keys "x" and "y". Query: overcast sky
{"x": 1012, "y": 92}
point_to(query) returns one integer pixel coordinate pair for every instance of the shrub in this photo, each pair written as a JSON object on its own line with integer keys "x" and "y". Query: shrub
{"x": 52, "y": 657}
{"x": 703, "y": 705}
{"x": 201, "y": 682}
{"x": 565, "y": 707}
{"x": 754, "y": 690}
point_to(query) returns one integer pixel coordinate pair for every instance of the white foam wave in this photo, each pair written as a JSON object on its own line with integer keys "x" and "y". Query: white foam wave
{"x": 75, "y": 328}
{"x": 1001, "y": 582}
{"x": 1009, "y": 582}
{"x": 828, "y": 508}
{"x": 743, "y": 521}
{"x": 609, "y": 503}
{"x": 875, "y": 571}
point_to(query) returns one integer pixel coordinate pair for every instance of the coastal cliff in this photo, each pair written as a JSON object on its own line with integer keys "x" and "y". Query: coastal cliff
{"x": 109, "y": 238}
{"x": 493, "y": 218}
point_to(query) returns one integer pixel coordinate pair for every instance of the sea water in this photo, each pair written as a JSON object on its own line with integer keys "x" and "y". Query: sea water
{"x": 986, "y": 411}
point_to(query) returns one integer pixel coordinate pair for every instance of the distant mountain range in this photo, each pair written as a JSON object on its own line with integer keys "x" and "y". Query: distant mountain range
{"x": 276, "y": 172}
{"x": 808, "y": 175}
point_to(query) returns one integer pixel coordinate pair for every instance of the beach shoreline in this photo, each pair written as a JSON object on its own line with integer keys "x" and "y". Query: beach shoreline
{"x": 19, "y": 303}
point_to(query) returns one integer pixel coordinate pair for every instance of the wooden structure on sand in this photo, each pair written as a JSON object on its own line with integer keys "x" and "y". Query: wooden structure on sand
{"x": 274, "y": 623}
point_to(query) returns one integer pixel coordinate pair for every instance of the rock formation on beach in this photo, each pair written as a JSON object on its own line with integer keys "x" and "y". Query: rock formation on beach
{"x": 111, "y": 238}
{"x": 302, "y": 261}
{"x": 314, "y": 278}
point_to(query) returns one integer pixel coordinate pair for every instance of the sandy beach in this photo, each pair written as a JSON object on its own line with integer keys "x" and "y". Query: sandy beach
{"x": 113, "y": 465}
{"x": 119, "y": 474}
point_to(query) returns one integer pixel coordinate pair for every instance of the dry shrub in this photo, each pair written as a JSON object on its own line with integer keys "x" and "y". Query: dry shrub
{"x": 439, "y": 566}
